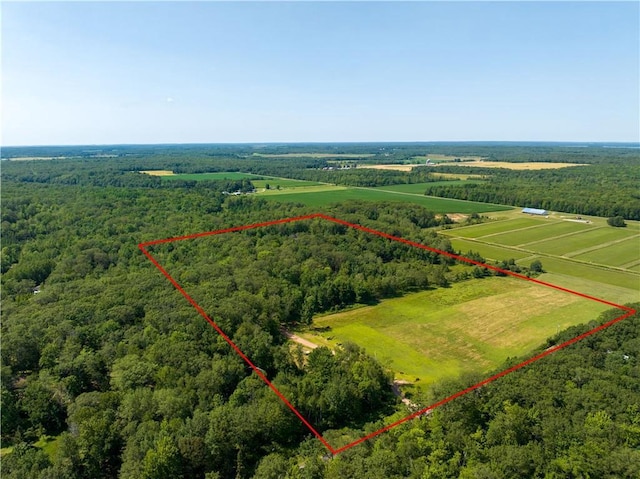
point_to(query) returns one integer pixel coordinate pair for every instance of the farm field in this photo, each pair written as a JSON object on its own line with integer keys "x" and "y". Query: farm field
{"x": 531, "y": 165}
{"x": 441, "y": 160}
{"x": 315, "y": 155}
{"x": 571, "y": 246}
{"x": 322, "y": 196}
{"x": 224, "y": 175}
{"x": 594, "y": 253}
{"x": 283, "y": 183}
{"x": 472, "y": 326}
{"x": 617, "y": 254}
{"x": 489, "y": 251}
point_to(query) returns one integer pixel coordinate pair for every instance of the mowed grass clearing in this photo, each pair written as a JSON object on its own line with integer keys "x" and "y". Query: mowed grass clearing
{"x": 617, "y": 254}
{"x": 472, "y": 326}
{"x": 540, "y": 232}
{"x": 488, "y": 251}
{"x": 228, "y": 175}
{"x": 577, "y": 243}
{"x": 282, "y": 183}
{"x": 326, "y": 195}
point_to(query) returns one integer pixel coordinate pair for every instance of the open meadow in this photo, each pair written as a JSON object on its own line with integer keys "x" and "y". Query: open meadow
{"x": 474, "y": 325}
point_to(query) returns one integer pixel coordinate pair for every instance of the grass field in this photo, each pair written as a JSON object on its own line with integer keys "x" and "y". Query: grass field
{"x": 617, "y": 254}
{"x": 542, "y": 232}
{"x": 489, "y": 251}
{"x": 228, "y": 175}
{"x": 597, "y": 255}
{"x": 574, "y": 244}
{"x": 283, "y": 183}
{"x": 322, "y": 196}
{"x": 477, "y": 231}
{"x": 471, "y": 326}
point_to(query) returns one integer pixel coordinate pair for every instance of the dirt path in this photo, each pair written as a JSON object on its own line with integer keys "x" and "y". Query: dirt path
{"x": 299, "y": 340}
{"x": 396, "y": 390}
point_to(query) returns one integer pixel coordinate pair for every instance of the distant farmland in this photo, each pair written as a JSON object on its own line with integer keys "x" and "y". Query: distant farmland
{"x": 225, "y": 175}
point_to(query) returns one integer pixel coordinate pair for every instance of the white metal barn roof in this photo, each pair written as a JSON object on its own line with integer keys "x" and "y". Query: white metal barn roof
{"x": 534, "y": 211}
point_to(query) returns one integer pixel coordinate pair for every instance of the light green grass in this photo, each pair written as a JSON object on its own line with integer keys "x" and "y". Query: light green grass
{"x": 575, "y": 243}
{"x": 231, "y": 175}
{"x": 471, "y": 326}
{"x": 594, "y": 273}
{"x": 484, "y": 229}
{"x": 284, "y": 194}
{"x": 437, "y": 205}
{"x": 6, "y": 450}
{"x": 597, "y": 289}
{"x": 488, "y": 251}
{"x": 48, "y": 444}
{"x": 617, "y": 254}
{"x": 283, "y": 183}
{"x": 537, "y": 233}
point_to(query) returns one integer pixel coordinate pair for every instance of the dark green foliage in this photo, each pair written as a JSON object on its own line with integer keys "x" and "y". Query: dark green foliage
{"x": 536, "y": 266}
{"x": 617, "y": 221}
{"x": 604, "y": 189}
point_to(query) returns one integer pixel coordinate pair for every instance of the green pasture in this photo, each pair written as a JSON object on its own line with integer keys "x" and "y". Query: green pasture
{"x": 617, "y": 254}
{"x": 320, "y": 198}
{"x": 282, "y": 182}
{"x": 526, "y": 236}
{"x": 471, "y": 326}
{"x": 592, "y": 287}
{"x": 285, "y": 193}
{"x": 600, "y": 275}
{"x": 484, "y": 229}
{"x": 228, "y": 175}
{"x": 575, "y": 243}
{"x": 488, "y": 251}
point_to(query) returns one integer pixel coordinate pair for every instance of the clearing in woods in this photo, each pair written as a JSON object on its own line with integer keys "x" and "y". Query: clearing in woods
{"x": 472, "y": 326}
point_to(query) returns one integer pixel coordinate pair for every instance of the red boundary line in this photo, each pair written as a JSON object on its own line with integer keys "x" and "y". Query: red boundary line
{"x": 143, "y": 248}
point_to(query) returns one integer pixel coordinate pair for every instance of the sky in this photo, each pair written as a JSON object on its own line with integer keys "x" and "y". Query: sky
{"x": 218, "y": 72}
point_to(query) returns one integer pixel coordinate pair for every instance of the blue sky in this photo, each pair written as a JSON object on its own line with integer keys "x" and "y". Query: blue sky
{"x": 147, "y": 72}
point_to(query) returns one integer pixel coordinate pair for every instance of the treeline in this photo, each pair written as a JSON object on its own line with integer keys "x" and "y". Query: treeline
{"x": 370, "y": 152}
{"x": 598, "y": 190}
{"x": 123, "y": 172}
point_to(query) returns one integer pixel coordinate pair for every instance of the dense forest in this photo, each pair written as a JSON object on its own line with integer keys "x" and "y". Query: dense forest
{"x": 101, "y": 353}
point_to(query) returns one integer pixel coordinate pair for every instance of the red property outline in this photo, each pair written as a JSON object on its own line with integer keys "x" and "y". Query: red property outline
{"x": 143, "y": 248}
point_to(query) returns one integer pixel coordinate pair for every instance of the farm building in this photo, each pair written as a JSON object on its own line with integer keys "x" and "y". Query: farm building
{"x": 535, "y": 211}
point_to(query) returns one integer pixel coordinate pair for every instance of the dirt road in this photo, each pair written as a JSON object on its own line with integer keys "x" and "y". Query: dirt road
{"x": 299, "y": 340}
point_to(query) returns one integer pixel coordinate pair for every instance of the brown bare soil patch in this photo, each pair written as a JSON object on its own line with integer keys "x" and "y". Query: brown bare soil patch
{"x": 158, "y": 172}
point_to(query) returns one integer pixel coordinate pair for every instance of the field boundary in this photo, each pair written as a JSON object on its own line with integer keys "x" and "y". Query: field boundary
{"x": 144, "y": 248}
